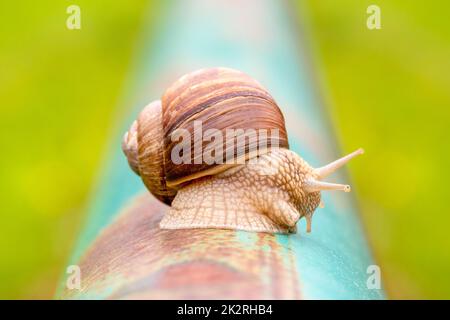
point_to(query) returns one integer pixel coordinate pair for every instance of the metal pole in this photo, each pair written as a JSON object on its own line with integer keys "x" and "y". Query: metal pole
{"x": 123, "y": 254}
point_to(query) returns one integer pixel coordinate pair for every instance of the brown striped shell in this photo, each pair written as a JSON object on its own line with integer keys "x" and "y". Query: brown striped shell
{"x": 220, "y": 98}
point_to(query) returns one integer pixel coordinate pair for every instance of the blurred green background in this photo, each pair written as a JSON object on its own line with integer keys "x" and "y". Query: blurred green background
{"x": 387, "y": 90}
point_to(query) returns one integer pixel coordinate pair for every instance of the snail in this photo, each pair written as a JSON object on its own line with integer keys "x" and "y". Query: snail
{"x": 266, "y": 188}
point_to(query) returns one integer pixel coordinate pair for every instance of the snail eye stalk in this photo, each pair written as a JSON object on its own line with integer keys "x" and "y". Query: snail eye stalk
{"x": 314, "y": 185}
{"x": 328, "y": 169}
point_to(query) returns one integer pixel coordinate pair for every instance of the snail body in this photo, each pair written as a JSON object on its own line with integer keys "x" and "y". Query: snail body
{"x": 265, "y": 188}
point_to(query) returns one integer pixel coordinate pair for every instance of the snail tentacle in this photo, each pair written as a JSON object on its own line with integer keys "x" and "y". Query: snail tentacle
{"x": 328, "y": 169}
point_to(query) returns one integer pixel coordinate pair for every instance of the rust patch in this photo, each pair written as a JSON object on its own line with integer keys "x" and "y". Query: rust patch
{"x": 134, "y": 259}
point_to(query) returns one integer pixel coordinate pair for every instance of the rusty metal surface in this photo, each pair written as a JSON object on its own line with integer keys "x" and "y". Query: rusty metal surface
{"x": 134, "y": 259}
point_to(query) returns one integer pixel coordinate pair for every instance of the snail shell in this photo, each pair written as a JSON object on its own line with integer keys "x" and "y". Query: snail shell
{"x": 223, "y": 194}
{"x": 218, "y": 98}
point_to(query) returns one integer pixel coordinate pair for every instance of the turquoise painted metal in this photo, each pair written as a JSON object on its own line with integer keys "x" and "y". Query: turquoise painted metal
{"x": 260, "y": 38}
